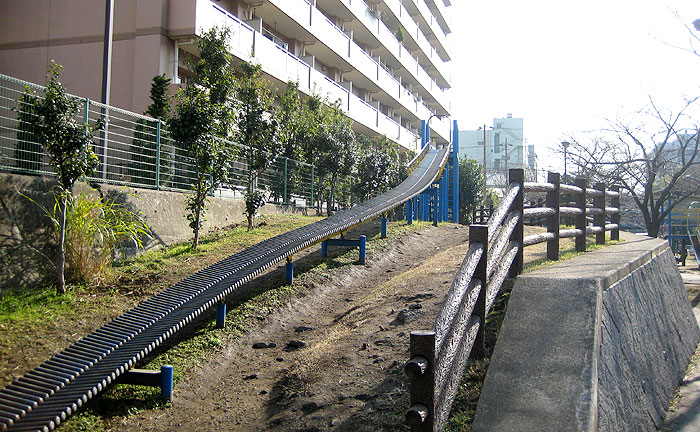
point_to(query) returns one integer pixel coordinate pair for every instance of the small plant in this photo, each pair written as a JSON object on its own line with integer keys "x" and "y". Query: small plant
{"x": 253, "y": 201}
{"x": 95, "y": 228}
{"x": 68, "y": 144}
{"x": 399, "y": 34}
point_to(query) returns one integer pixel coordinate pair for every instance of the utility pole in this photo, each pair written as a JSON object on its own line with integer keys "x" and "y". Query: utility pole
{"x": 484, "y": 150}
{"x": 106, "y": 80}
{"x": 506, "y": 160}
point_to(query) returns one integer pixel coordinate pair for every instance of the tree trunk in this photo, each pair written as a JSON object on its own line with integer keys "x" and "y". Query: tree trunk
{"x": 60, "y": 265}
{"x": 198, "y": 215}
{"x": 250, "y": 213}
{"x": 329, "y": 204}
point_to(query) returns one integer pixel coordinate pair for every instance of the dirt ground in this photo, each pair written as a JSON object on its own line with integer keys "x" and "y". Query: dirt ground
{"x": 334, "y": 358}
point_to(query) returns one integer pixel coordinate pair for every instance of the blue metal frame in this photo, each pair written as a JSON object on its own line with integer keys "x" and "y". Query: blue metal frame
{"x": 361, "y": 243}
{"x": 455, "y": 172}
{"x": 448, "y": 184}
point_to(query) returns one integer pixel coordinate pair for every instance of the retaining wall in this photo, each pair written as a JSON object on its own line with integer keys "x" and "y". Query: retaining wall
{"x": 598, "y": 342}
{"x": 164, "y": 212}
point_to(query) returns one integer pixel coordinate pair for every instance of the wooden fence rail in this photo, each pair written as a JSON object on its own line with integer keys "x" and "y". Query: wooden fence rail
{"x": 439, "y": 356}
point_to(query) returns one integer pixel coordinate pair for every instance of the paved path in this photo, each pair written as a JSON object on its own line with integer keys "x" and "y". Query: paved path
{"x": 685, "y": 414}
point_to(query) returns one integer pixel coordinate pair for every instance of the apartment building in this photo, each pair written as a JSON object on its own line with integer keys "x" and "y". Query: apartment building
{"x": 387, "y": 61}
{"x": 505, "y": 148}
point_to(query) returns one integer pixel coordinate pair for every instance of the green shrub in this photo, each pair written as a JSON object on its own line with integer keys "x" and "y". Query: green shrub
{"x": 95, "y": 229}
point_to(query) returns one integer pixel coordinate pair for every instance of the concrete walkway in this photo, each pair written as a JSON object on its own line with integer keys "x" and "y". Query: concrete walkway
{"x": 684, "y": 415}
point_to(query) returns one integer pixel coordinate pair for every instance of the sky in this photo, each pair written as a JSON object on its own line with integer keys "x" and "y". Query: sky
{"x": 566, "y": 66}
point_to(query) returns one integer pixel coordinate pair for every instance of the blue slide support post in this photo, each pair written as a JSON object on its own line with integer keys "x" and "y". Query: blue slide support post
{"x": 455, "y": 172}
{"x": 409, "y": 212}
{"x": 289, "y": 271}
{"x": 444, "y": 193}
{"x": 221, "y": 315}
{"x": 324, "y": 248}
{"x": 166, "y": 383}
{"x": 425, "y": 205}
{"x": 363, "y": 249}
{"x": 436, "y": 205}
{"x": 384, "y": 222}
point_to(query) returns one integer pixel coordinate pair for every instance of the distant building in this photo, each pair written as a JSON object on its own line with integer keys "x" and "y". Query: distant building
{"x": 505, "y": 148}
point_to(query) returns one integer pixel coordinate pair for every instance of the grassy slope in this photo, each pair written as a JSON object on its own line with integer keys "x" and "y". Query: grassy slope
{"x": 41, "y": 323}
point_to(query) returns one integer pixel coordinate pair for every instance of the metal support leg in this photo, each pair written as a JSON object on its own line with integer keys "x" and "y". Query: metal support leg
{"x": 324, "y": 249}
{"x": 166, "y": 382}
{"x": 409, "y": 212}
{"x": 221, "y": 315}
{"x": 289, "y": 271}
{"x": 436, "y": 210}
{"x": 384, "y": 227}
{"x": 363, "y": 249}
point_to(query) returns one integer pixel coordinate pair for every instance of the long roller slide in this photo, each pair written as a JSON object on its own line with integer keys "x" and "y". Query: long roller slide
{"x": 56, "y": 389}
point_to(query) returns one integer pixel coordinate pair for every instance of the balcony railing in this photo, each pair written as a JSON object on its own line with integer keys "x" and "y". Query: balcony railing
{"x": 285, "y": 66}
{"x": 333, "y": 37}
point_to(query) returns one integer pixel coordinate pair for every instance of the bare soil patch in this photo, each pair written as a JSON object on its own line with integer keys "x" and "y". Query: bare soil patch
{"x": 334, "y": 357}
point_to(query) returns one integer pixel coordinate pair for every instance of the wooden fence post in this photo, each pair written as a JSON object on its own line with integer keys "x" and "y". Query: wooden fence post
{"x": 599, "y": 219}
{"x": 421, "y": 372}
{"x": 615, "y": 217}
{"x": 581, "y": 219}
{"x": 480, "y": 234}
{"x": 517, "y": 175}
{"x": 552, "y": 201}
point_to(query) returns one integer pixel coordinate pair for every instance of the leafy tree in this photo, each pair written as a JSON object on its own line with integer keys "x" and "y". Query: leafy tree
{"x": 653, "y": 158}
{"x": 378, "y": 167}
{"x": 334, "y": 141}
{"x": 203, "y": 116}
{"x": 144, "y": 146}
{"x": 472, "y": 183}
{"x": 28, "y": 148}
{"x": 257, "y": 131}
{"x": 160, "y": 103}
{"x": 68, "y": 145}
{"x": 291, "y": 118}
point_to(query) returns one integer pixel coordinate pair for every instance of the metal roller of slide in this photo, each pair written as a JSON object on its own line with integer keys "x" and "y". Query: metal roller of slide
{"x": 48, "y": 394}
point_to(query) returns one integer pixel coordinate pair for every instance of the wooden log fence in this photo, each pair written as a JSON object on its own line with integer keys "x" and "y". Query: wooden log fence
{"x": 439, "y": 356}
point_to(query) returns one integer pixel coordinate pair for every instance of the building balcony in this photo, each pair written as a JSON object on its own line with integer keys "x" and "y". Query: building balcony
{"x": 441, "y": 12}
{"x": 440, "y": 45}
{"x": 248, "y": 44}
{"x": 322, "y": 29}
{"x": 420, "y": 10}
{"x": 430, "y": 57}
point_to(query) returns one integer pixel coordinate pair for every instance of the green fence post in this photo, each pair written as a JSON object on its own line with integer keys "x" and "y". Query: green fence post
{"x": 86, "y": 114}
{"x": 158, "y": 155}
{"x": 284, "y": 200}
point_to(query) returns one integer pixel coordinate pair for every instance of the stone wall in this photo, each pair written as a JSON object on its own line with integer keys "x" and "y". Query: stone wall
{"x": 648, "y": 333}
{"x": 598, "y": 342}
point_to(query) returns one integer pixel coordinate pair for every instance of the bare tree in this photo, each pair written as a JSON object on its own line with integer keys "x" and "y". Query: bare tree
{"x": 652, "y": 158}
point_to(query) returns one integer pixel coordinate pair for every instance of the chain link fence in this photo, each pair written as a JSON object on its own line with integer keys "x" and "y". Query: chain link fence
{"x": 135, "y": 150}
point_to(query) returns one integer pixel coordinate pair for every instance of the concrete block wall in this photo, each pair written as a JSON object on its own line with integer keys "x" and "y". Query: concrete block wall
{"x": 165, "y": 212}
{"x": 596, "y": 343}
